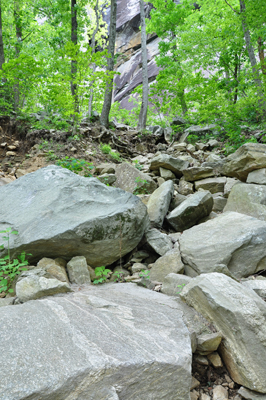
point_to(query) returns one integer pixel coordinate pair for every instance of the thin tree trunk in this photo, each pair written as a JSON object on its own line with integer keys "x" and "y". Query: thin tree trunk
{"x": 18, "y": 24}
{"x": 2, "y": 53}
{"x": 145, "y": 82}
{"x": 104, "y": 119}
{"x": 261, "y": 55}
{"x": 93, "y": 44}
{"x": 74, "y": 40}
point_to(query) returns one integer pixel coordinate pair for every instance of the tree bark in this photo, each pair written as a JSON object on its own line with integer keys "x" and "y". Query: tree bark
{"x": 104, "y": 119}
{"x": 261, "y": 56}
{"x": 2, "y": 53}
{"x": 145, "y": 82}
{"x": 93, "y": 45}
{"x": 74, "y": 40}
{"x": 18, "y": 25}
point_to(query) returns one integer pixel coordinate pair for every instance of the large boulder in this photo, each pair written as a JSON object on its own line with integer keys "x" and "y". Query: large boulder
{"x": 60, "y": 214}
{"x": 176, "y": 165}
{"x": 190, "y": 211}
{"x": 247, "y": 158}
{"x": 240, "y": 316}
{"x": 233, "y": 243}
{"x": 248, "y": 199}
{"x": 123, "y": 342}
{"x": 159, "y": 202}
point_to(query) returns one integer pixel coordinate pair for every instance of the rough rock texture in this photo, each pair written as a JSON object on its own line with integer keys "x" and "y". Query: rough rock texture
{"x": 125, "y": 342}
{"x": 232, "y": 240}
{"x": 169, "y": 263}
{"x": 176, "y": 165}
{"x": 159, "y": 202}
{"x": 192, "y": 174}
{"x": 258, "y": 285}
{"x": 248, "y": 199}
{"x": 241, "y": 318}
{"x": 174, "y": 283}
{"x": 190, "y": 211}
{"x": 247, "y": 158}
{"x": 132, "y": 180}
{"x": 158, "y": 241}
{"x": 78, "y": 272}
{"x": 60, "y": 214}
{"x": 54, "y": 267}
{"x": 208, "y": 343}
{"x": 250, "y": 395}
{"x": 258, "y": 176}
{"x": 214, "y": 185}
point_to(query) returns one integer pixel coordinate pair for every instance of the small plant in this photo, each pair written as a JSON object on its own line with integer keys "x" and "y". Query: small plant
{"x": 119, "y": 277}
{"x": 51, "y": 156}
{"x": 140, "y": 188}
{"x": 101, "y": 274}
{"x": 106, "y": 149}
{"x": 75, "y": 137}
{"x": 10, "y": 268}
{"x": 115, "y": 156}
{"x": 181, "y": 286}
{"x": 137, "y": 165}
{"x": 145, "y": 273}
{"x": 76, "y": 165}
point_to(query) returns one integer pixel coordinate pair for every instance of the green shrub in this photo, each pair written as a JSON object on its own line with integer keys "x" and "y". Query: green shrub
{"x": 76, "y": 165}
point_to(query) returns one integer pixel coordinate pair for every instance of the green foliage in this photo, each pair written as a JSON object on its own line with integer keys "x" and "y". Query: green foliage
{"x": 115, "y": 156}
{"x": 119, "y": 277}
{"x": 105, "y": 148}
{"x": 10, "y": 268}
{"x": 181, "y": 287}
{"x": 145, "y": 273}
{"x": 76, "y": 165}
{"x": 101, "y": 274}
{"x": 140, "y": 187}
{"x": 137, "y": 165}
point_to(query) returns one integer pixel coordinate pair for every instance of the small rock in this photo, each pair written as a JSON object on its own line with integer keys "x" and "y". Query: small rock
{"x": 194, "y": 395}
{"x": 220, "y": 393}
{"x": 158, "y": 241}
{"x": 201, "y": 359}
{"x": 195, "y": 383}
{"x": 10, "y": 154}
{"x": 208, "y": 343}
{"x": 167, "y": 264}
{"x": 173, "y": 283}
{"x": 166, "y": 174}
{"x": 214, "y": 185}
{"x": 78, "y": 272}
{"x": 185, "y": 188}
{"x": 215, "y": 360}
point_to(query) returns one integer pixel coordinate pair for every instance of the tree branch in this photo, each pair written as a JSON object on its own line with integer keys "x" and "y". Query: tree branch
{"x": 231, "y": 7}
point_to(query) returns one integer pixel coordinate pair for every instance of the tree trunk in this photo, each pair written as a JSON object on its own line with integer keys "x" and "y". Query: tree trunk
{"x": 2, "y": 53}
{"x": 18, "y": 25}
{"x": 261, "y": 55}
{"x": 93, "y": 45}
{"x": 145, "y": 82}
{"x": 74, "y": 40}
{"x": 104, "y": 119}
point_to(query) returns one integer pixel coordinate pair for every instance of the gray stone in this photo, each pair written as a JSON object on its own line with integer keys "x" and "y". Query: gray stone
{"x": 215, "y": 360}
{"x": 250, "y": 395}
{"x": 174, "y": 283}
{"x": 190, "y": 211}
{"x": 208, "y": 343}
{"x": 158, "y": 241}
{"x": 185, "y": 188}
{"x": 220, "y": 393}
{"x": 247, "y": 158}
{"x": 176, "y": 165}
{"x": 214, "y": 185}
{"x": 107, "y": 179}
{"x": 168, "y": 134}
{"x": 7, "y": 301}
{"x": 169, "y": 263}
{"x": 176, "y": 201}
{"x": 166, "y": 174}
{"x": 178, "y": 121}
{"x": 159, "y": 202}
{"x": 230, "y": 182}
{"x": 34, "y": 287}
{"x": 240, "y": 316}
{"x": 248, "y": 199}
{"x": 125, "y": 342}
{"x": 78, "y": 272}
{"x": 258, "y": 285}
{"x": 119, "y": 273}
{"x": 233, "y": 241}
{"x": 58, "y": 213}
{"x": 192, "y": 174}
{"x": 105, "y": 168}
{"x": 258, "y": 176}
{"x": 138, "y": 267}
{"x": 180, "y": 146}
{"x": 54, "y": 268}
{"x": 219, "y": 203}
{"x": 133, "y": 180}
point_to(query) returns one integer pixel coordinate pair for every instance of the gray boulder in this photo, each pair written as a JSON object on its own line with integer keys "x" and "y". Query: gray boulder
{"x": 58, "y": 213}
{"x": 78, "y": 272}
{"x": 176, "y": 165}
{"x": 247, "y": 158}
{"x": 214, "y": 185}
{"x": 125, "y": 342}
{"x": 133, "y": 180}
{"x": 248, "y": 199}
{"x": 240, "y": 316}
{"x": 169, "y": 263}
{"x": 159, "y": 202}
{"x": 258, "y": 176}
{"x": 158, "y": 241}
{"x": 231, "y": 242}
{"x": 192, "y": 174}
{"x": 190, "y": 211}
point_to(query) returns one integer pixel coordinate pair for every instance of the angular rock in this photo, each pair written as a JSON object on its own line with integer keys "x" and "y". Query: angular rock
{"x": 58, "y": 213}
{"x": 214, "y": 185}
{"x": 166, "y": 174}
{"x": 247, "y": 158}
{"x": 107, "y": 179}
{"x": 158, "y": 241}
{"x": 248, "y": 199}
{"x": 208, "y": 343}
{"x": 220, "y": 393}
{"x": 173, "y": 284}
{"x": 133, "y": 180}
{"x": 54, "y": 268}
{"x": 169, "y": 263}
{"x": 258, "y": 176}
{"x": 185, "y": 188}
{"x": 159, "y": 202}
{"x": 190, "y": 211}
{"x": 105, "y": 168}
{"x": 192, "y": 174}
{"x": 178, "y": 121}
{"x": 125, "y": 342}
{"x": 176, "y": 165}
{"x": 34, "y": 287}
{"x": 230, "y": 182}
{"x": 258, "y": 285}
{"x": 215, "y": 360}
{"x": 219, "y": 203}
{"x": 78, "y": 272}
{"x": 7, "y": 301}
{"x": 232, "y": 241}
{"x": 240, "y": 316}
{"x": 176, "y": 201}
{"x": 250, "y": 395}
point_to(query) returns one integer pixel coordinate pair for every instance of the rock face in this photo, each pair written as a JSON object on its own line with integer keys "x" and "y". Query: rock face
{"x": 248, "y": 199}
{"x": 247, "y": 158}
{"x": 232, "y": 241}
{"x": 122, "y": 342}
{"x": 240, "y": 316}
{"x": 58, "y": 213}
{"x": 190, "y": 211}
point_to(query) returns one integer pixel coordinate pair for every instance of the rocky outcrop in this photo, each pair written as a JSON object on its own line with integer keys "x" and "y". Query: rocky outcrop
{"x": 95, "y": 345}
{"x": 58, "y": 213}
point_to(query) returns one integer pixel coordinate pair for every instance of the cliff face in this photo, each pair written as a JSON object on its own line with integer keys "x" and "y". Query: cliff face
{"x": 128, "y": 49}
